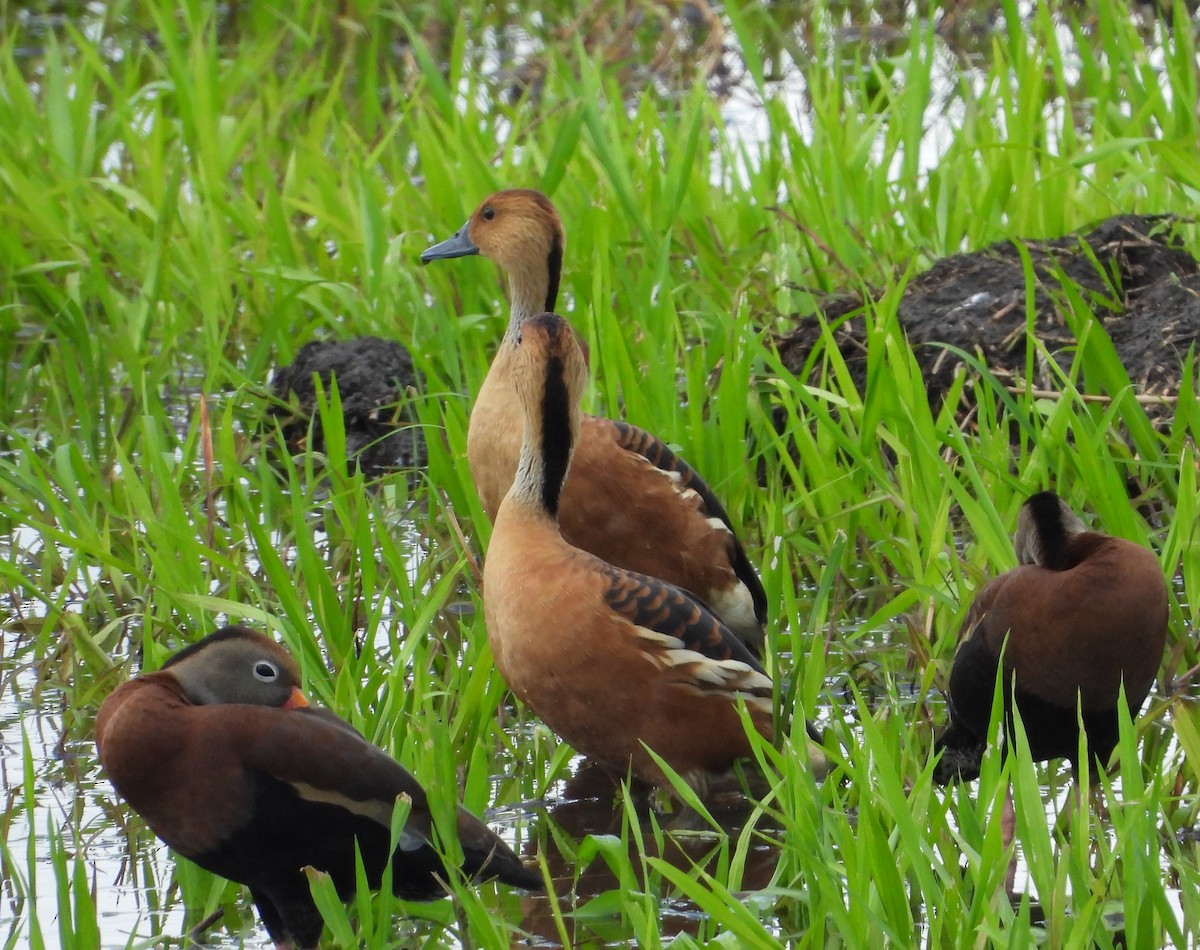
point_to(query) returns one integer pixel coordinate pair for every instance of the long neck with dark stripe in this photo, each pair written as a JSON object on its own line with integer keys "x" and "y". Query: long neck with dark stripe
{"x": 555, "y": 435}
{"x": 548, "y": 442}
{"x": 554, "y": 262}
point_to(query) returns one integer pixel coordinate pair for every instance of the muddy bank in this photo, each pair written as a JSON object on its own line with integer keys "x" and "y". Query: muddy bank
{"x": 375, "y": 380}
{"x": 1131, "y": 270}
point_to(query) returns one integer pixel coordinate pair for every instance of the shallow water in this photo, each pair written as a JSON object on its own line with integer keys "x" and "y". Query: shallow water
{"x": 68, "y": 794}
{"x": 131, "y": 874}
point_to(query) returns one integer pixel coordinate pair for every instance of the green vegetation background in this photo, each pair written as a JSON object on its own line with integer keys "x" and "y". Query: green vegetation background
{"x": 189, "y": 192}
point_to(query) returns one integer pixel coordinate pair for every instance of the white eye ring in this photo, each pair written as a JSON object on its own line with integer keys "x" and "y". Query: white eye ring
{"x": 265, "y": 671}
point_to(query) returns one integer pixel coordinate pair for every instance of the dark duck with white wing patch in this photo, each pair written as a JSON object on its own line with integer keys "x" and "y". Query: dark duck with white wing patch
{"x": 223, "y": 757}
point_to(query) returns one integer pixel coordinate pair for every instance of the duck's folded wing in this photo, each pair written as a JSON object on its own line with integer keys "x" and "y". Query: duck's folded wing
{"x": 660, "y": 455}
{"x": 679, "y": 631}
{"x": 324, "y": 759}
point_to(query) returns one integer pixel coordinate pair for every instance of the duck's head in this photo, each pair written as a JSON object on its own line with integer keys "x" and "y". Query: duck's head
{"x": 237, "y": 665}
{"x": 1046, "y": 528}
{"x": 519, "y": 230}
{"x": 550, "y": 373}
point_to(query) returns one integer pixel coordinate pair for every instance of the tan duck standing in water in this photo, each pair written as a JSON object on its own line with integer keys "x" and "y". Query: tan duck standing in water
{"x": 1082, "y": 614}
{"x": 223, "y": 757}
{"x": 629, "y": 499}
{"x": 612, "y": 660}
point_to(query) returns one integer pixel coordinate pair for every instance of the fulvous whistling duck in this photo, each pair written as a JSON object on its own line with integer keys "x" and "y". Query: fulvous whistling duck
{"x": 1082, "y": 614}
{"x": 223, "y": 757}
{"x": 375, "y": 380}
{"x": 629, "y": 499}
{"x": 612, "y": 660}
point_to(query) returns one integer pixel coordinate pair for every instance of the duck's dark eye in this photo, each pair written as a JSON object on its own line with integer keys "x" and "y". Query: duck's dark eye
{"x": 265, "y": 671}
{"x": 489, "y": 213}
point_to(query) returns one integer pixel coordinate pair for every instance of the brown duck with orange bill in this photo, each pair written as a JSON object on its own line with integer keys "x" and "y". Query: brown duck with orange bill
{"x": 223, "y": 757}
{"x": 614, "y": 661}
{"x": 629, "y": 499}
{"x": 1082, "y": 614}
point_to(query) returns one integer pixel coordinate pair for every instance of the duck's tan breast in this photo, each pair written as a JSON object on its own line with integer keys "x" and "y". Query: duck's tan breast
{"x": 494, "y": 434}
{"x": 597, "y": 680}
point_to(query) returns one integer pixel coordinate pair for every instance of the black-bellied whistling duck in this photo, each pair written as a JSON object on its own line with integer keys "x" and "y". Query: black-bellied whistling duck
{"x": 1082, "y": 614}
{"x": 629, "y": 499}
{"x": 375, "y": 381}
{"x": 221, "y": 755}
{"x": 612, "y": 660}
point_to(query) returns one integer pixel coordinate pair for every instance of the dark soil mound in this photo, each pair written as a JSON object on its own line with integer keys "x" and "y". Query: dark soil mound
{"x": 1133, "y": 273}
{"x": 375, "y": 381}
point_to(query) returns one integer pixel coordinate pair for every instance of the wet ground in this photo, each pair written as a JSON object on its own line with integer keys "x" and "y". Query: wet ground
{"x": 374, "y": 380}
{"x": 1131, "y": 271}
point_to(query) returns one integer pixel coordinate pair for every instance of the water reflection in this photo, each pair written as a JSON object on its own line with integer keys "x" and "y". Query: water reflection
{"x": 131, "y": 875}
{"x": 590, "y": 804}
{"x": 54, "y": 801}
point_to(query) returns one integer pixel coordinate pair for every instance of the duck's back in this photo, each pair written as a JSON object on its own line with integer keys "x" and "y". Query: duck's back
{"x": 1083, "y": 630}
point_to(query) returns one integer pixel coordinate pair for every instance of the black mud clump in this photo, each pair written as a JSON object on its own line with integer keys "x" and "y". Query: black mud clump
{"x": 1131, "y": 271}
{"x": 376, "y": 383}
